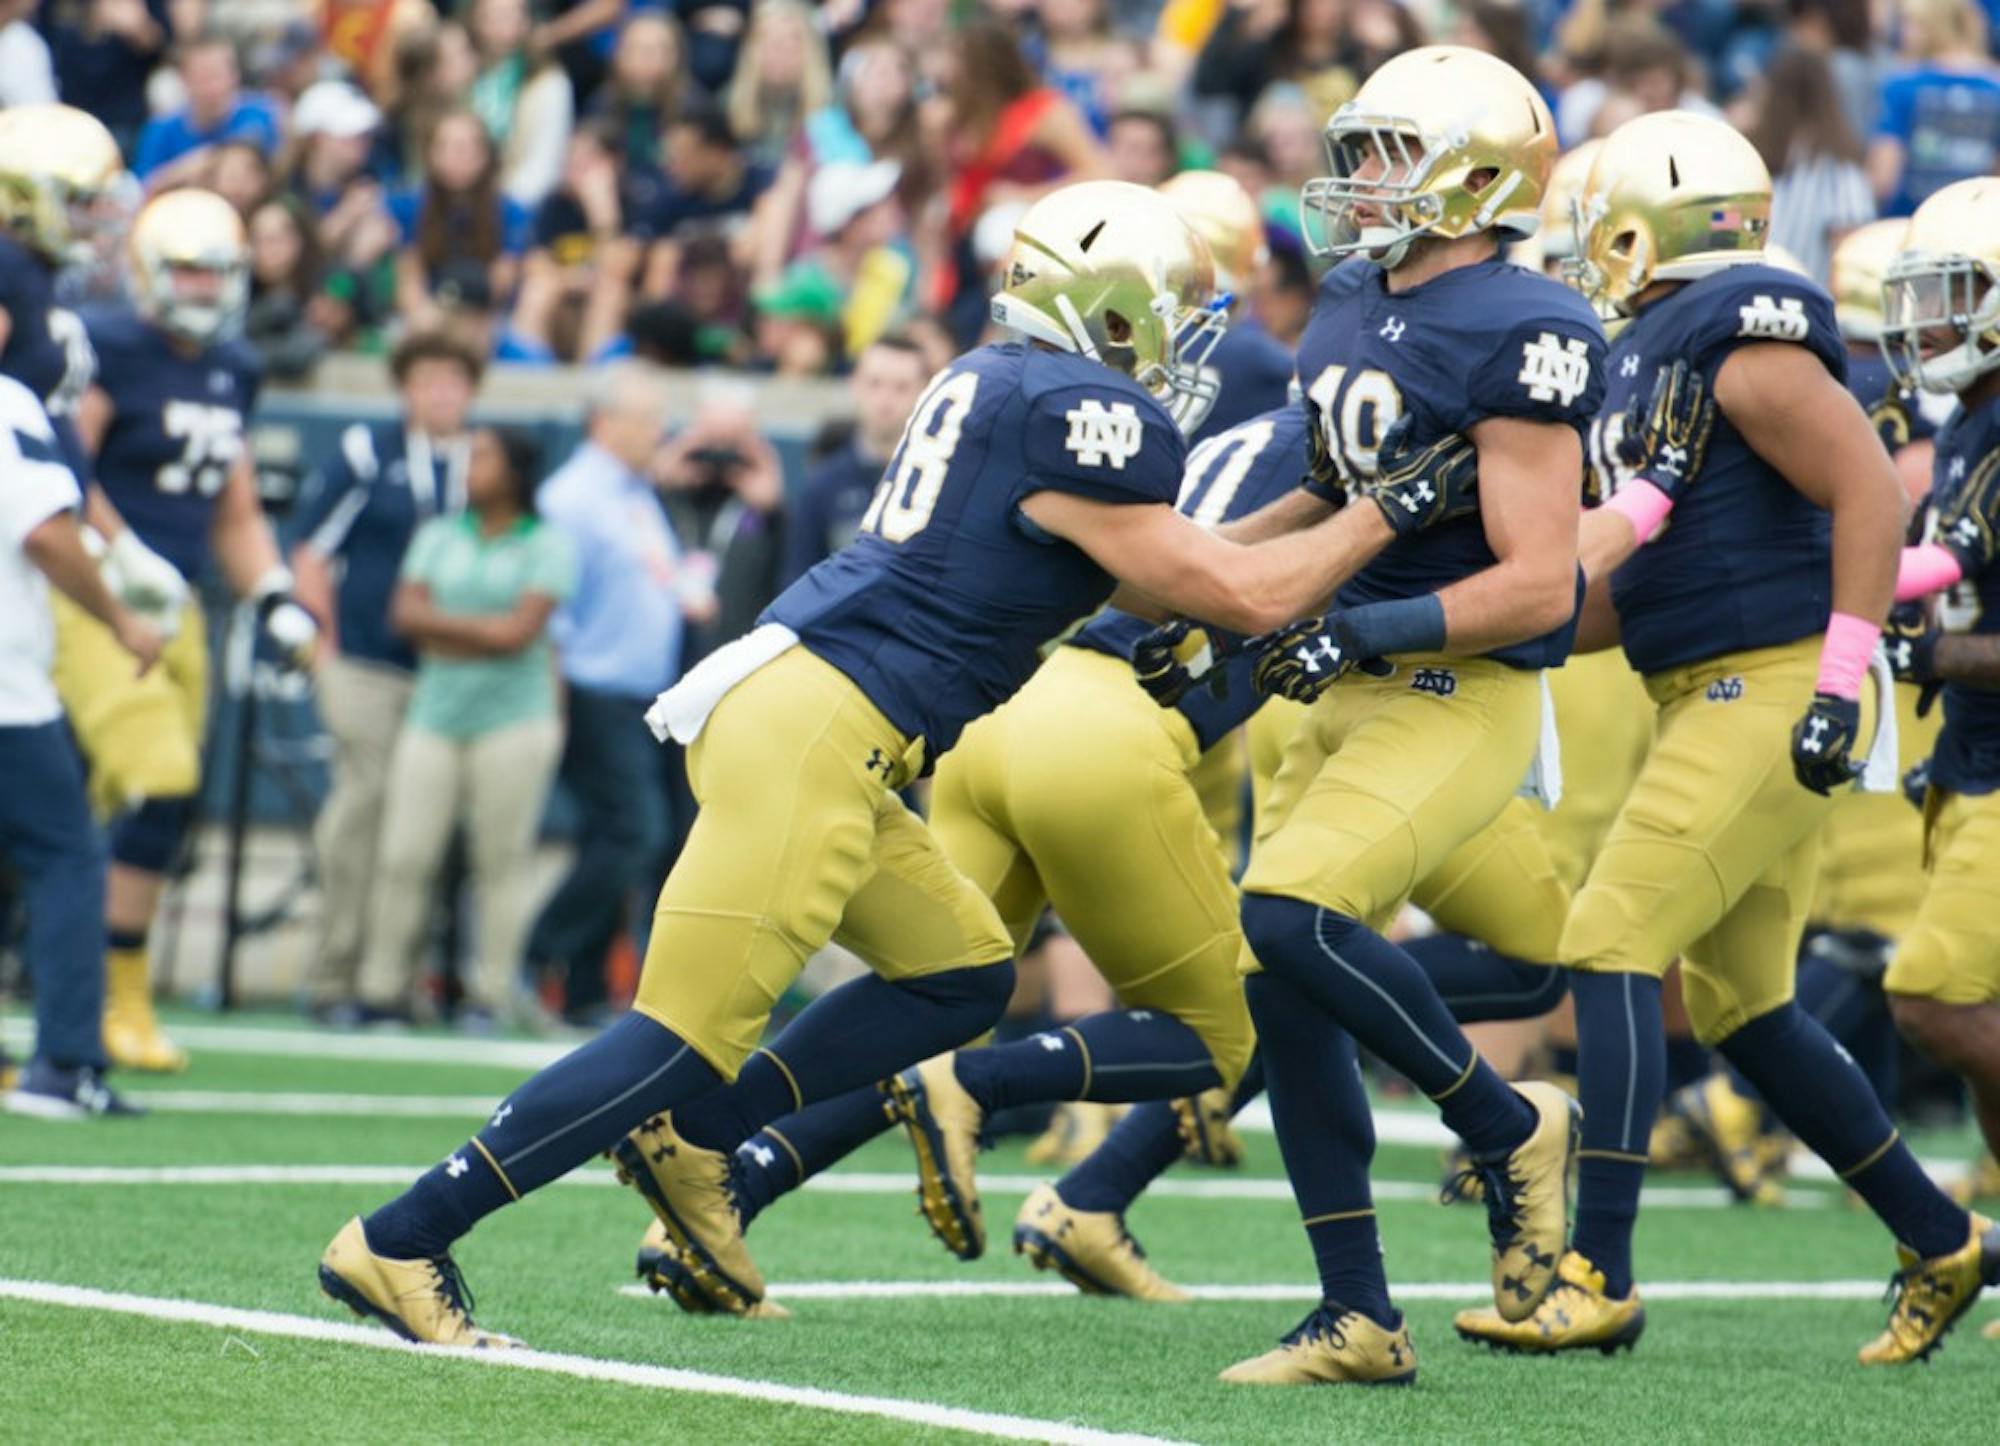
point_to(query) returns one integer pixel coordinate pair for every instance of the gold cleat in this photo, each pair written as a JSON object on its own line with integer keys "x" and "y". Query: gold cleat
{"x": 943, "y": 1124}
{"x": 1576, "y": 1315}
{"x": 1075, "y": 1129}
{"x": 1461, "y": 1184}
{"x": 688, "y": 1189}
{"x": 1333, "y": 1346}
{"x": 420, "y": 1300}
{"x": 1092, "y": 1250}
{"x": 1527, "y": 1201}
{"x": 1739, "y": 1146}
{"x": 132, "y": 1035}
{"x": 1991, "y": 1331}
{"x": 1930, "y": 1295}
{"x": 1674, "y": 1145}
{"x": 1207, "y": 1137}
{"x": 1981, "y": 1182}
{"x": 664, "y": 1267}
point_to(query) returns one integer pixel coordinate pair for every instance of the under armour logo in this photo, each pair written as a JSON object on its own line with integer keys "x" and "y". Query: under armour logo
{"x": 1672, "y": 460}
{"x": 1139, "y": 1016}
{"x": 1553, "y": 366}
{"x": 1815, "y": 740}
{"x": 1053, "y": 1043}
{"x": 761, "y": 1155}
{"x": 500, "y": 1114}
{"x": 1956, "y": 471}
{"x": 1392, "y": 329}
{"x": 1630, "y": 366}
{"x": 1965, "y": 532}
{"x": 1100, "y": 434}
{"x": 878, "y": 762}
{"x": 218, "y": 383}
{"x": 1416, "y": 499}
{"x": 456, "y": 1166}
{"x": 1321, "y": 648}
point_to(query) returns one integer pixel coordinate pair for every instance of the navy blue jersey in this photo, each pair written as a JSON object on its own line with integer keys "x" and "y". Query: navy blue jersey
{"x": 1491, "y": 340}
{"x": 45, "y": 350}
{"x": 1228, "y": 477}
{"x": 176, "y": 429}
{"x": 1255, "y": 374}
{"x": 1965, "y": 502}
{"x": 1745, "y": 560}
{"x": 363, "y": 505}
{"x": 939, "y": 607}
{"x": 1898, "y": 418}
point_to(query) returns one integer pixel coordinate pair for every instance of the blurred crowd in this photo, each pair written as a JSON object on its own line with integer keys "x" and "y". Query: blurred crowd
{"x": 770, "y": 185}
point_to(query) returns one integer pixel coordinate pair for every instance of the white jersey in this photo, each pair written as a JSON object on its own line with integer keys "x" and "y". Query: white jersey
{"x": 35, "y": 484}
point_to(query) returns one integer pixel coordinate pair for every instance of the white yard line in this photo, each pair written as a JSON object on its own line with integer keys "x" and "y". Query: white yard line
{"x": 588, "y": 1368}
{"x": 332, "y": 1044}
{"x": 1448, "y": 1291}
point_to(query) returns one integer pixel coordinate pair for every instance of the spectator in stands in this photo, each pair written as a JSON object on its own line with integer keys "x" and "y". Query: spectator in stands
{"x": 782, "y": 76}
{"x": 1142, "y": 147}
{"x": 459, "y": 229}
{"x": 359, "y": 512}
{"x": 1504, "y": 29}
{"x": 619, "y": 641}
{"x": 1081, "y": 55}
{"x": 1940, "y": 116}
{"x": 1644, "y": 69}
{"x": 645, "y": 88}
{"x": 1818, "y": 187}
{"x": 580, "y": 35}
{"x": 795, "y": 327}
{"x": 286, "y": 320}
{"x": 576, "y": 280}
{"x": 1259, "y": 42}
{"x": 1839, "y": 30}
{"x": 240, "y": 173}
{"x": 1283, "y": 302}
{"x": 285, "y": 64}
{"x": 483, "y": 732}
{"x": 27, "y": 69}
{"x": 434, "y": 68}
{"x": 826, "y": 513}
{"x": 714, "y": 30}
{"x": 526, "y": 102}
{"x": 171, "y": 147}
{"x": 709, "y": 184}
{"x": 860, "y": 258}
{"x": 104, "y": 50}
{"x": 725, "y": 490}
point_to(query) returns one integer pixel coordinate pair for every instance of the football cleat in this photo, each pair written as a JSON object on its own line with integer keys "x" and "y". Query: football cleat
{"x": 1461, "y": 1184}
{"x": 1738, "y": 1141}
{"x": 1075, "y": 1129}
{"x": 1576, "y": 1315}
{"x": 1333, "y": 1346}
{"x": 688, "y": 1189}
{"x": 1207, "y": 1137}
{"x": 133, "y": 1038}
{"x": 1991, "y": 1331}
{"x": 1092, "y": 1250}
{"x": 664, "y": 1267}
{"x": 943, "y": 1124}
{"x": 1930, "y": 1295}
{"x": 1526, "y": 1194}
{"x": 1675, "y": 1145}
{"x": 1981, "y": 1182}
{"x": 420, "y": 1300}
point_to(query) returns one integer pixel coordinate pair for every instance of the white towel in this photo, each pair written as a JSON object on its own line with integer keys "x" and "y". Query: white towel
{"x": 682, "y": 711}
{"x": 1879, "y": 770}
{"x": 1544, "y": 782}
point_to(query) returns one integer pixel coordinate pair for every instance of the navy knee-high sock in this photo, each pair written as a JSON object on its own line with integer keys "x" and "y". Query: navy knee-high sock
{"x": 1138, "y": 1151}
{"x": 1811, "y": 1084}
{"x": 1478, "y": 985}
{"x": 1327, "y": 1136}
{"x": 576, "y": 1108}
{"x": 1621, "y": 1070}
{"x": 790, "y": 1151}
{"x": 1688, "y": 1060}
{"x": 1113, "y": 1057}
{"x": 855, "y": 1035}
{"x": 1382, "y": 998}
{"x": 1855, "y": 1011}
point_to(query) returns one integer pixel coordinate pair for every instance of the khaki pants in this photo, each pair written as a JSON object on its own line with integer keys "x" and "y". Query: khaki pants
{"x": 362, "y": 705}
{"x": 497, "y": 783}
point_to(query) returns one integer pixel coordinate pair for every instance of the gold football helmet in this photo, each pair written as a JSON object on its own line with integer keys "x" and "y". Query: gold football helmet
{"x": 189, "y": 265}
{"x": 60, "y": 173}
{"x": 1225, "y": 216}
{"x": 1860, "y": 265}
{"x": 1671, "y": 196}
{"x": 1941, "y": 301}
{"x": 1110, "y": 271}
{"x": 1566, "y": 180}
{"x": 1441, "y": 141}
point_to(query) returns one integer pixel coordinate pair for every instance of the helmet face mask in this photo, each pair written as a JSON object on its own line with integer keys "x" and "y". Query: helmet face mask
{"x": 63, "y": 183}
{"x": 1940, "y": 321}
{"x": 189, "y": 266}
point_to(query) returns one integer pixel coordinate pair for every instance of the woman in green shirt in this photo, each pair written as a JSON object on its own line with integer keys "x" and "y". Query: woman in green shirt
{"x": 483, "y": 734}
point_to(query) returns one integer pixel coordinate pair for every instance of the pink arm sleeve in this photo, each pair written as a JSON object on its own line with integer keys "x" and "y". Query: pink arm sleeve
{"x": 1843, "y": 658}
{"x": 1643, "y": 505}
{"x": 1925, "y": 570}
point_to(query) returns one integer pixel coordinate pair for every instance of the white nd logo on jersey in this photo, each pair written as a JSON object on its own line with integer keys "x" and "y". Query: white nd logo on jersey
{"x": 1100, "y": 434}
{"x": 1781, "y": 320}
{"x": 1552, "y": 367}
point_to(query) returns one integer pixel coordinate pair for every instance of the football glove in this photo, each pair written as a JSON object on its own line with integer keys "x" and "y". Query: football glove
{"x": 1910, "y": 639}
{"x": 1664, "y": 439}
{"x": 292, "y": 630}
{"x": 1823, "y": 740}
{"x": 1418, "y": 487}
{"x": 141, "y": 579}
{"x": 1175, "y": 656}
{"x": 1917, "y": 783}
{"x": 1302, "y": 661}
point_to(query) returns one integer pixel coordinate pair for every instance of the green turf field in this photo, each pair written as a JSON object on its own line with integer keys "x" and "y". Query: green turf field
{"x": 1751, "y": 1356}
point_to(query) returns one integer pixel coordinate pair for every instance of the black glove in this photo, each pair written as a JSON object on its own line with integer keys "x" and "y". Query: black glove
{"x": 1665, "y": 440}
{"x": 1418, "y": 487}
{"x": 293, "y": 631}
{"x": 1823, "y": 740}
{"x": 1302, "y": 661}
{"x": 1175, "y": 656}
{"x": 1917, "y": 783}
{"x": 1910, "y": 639}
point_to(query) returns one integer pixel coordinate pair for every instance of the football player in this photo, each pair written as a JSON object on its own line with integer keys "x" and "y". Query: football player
{"x": 1752, "y": 617}
{"x": 1031, "y": 475}
{"x": 1941, "y": 332}
{"x": 163, "y": 426}
{"x": 1251, "y": 372}
{"x": 1441, "y": 155}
